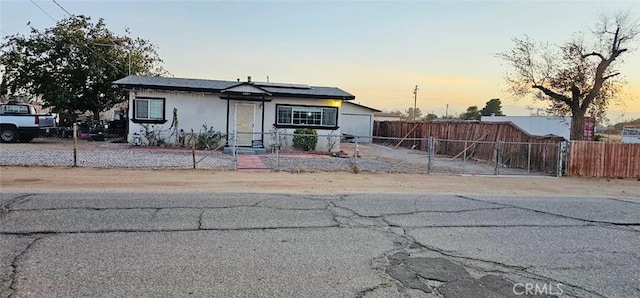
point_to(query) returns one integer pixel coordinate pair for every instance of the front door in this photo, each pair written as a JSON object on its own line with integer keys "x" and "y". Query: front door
{"x": 245, "y": 122}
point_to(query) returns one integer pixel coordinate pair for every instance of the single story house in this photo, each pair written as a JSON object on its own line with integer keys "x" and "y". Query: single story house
{"x": 251, "y": 110}
{"x": 385, "y": 116}
{"x": 357, "y": 120}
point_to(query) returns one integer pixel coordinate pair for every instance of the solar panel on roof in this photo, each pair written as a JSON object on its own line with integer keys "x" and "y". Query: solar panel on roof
{"x": 206, "y": 85}
{"x": 282, "y": 85}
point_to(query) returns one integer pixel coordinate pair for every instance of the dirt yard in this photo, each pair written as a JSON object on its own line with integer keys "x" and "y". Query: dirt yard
{"x": 56, "y": 179}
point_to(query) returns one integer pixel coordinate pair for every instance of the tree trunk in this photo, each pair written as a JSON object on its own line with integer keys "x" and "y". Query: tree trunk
{"x": 96, "y": 116}
{"x": 577, "y": 125}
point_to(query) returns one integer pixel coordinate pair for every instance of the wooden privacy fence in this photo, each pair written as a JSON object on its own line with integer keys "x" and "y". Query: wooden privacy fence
{"x": 518, "y": 149}
{"x": 600, "y": 159}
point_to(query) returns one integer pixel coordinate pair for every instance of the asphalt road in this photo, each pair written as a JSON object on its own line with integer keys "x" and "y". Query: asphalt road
{"x": 257, "y": 245}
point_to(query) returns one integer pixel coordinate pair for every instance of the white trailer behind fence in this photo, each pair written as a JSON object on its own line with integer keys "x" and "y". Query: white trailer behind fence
{"x": 630, "y": 135}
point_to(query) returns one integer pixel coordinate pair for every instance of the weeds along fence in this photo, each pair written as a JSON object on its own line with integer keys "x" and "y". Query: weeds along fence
{"x": 502, "y": 142}
{"x": 75, "y": 147}
{"x": 600, "y": 159}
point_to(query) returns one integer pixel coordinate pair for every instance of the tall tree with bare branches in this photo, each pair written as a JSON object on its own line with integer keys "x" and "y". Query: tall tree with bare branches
{"x": 579, "y": 77}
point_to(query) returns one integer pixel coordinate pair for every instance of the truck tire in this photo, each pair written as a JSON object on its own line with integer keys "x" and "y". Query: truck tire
{"x": 8, "y": 134}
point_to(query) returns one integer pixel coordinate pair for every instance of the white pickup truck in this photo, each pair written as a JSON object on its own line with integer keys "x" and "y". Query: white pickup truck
{"x": 21, "y": 122}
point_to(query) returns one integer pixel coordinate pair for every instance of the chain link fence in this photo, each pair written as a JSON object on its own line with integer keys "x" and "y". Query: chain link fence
{"x": 277, "y": 151}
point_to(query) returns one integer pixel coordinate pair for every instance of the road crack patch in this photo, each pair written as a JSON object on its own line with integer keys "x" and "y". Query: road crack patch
{"x": 444, "y": 277}
{"x": 551, "y": 213}
{"x": 6, "y": 208}
{"x": 13, "y": 266}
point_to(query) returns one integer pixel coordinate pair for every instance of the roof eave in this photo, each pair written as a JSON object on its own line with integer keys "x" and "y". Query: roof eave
{"x": 167, "y": 88}
{"x": 211, "y": 90}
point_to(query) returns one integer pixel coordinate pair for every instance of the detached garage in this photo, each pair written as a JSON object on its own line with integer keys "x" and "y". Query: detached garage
{"x": 357, "y": 120}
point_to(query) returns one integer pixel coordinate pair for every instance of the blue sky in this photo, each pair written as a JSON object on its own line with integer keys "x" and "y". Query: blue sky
{"x": 376, "y": 50}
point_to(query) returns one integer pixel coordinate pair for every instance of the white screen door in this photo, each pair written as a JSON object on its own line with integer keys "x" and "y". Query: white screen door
{"x": 245, "y": 120}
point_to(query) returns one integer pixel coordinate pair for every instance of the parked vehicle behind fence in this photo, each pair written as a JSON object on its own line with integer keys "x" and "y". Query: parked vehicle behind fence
{"x": 630, "y": 135}
{"x": 20, "y": 122}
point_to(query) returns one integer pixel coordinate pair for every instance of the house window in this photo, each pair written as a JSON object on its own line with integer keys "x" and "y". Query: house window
{"x": 149, "y": 110}
{"x": 305, "y": 116}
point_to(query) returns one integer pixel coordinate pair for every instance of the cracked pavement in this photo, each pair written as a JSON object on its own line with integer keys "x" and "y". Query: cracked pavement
{"x": 356, "y": 245}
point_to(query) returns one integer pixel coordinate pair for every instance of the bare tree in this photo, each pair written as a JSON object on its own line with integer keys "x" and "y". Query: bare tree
{"x": 578, "y": 77}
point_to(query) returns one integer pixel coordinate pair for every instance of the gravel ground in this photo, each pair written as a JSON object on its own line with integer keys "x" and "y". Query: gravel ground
{"x": 305, "y": 164}
{"x": 373, "y": 158}
{"x": 109, "y": 155}
{"x": 417, "y": 161}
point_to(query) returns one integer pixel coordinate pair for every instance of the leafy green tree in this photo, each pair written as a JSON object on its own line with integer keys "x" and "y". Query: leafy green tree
{"x": 430, "y": 117}
{"x": 472, "y": 113}
{"x": 73, "y": 64}
{"x": 409, "y": 114}
{"x": 577, "y": 77}
{"x": 493, "y": 106}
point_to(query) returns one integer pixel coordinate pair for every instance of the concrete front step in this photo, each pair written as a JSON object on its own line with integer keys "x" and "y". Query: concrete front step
{"x": 245, "y": 150}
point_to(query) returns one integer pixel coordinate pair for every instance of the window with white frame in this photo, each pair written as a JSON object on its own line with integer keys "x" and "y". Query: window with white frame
{"x": 307, "y": 116}
{"x": 149, "y": 109}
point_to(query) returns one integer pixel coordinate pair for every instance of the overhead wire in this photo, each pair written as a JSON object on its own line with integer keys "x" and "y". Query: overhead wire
{"x": 56, "y": 2}
{"x": 44, "y": 11}
{"x": 112, "y": 42}
{"x": 65, "y": 10}
{"x": 84, "y": 44}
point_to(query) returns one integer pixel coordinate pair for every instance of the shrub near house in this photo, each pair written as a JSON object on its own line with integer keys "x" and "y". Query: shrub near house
{"x": 305, "y": 139}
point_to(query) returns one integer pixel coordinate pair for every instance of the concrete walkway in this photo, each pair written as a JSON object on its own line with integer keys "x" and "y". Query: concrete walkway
{"x": 250, "y": 162}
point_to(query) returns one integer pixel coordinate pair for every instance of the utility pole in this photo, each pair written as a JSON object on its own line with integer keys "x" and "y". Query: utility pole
{"x": 415, "y": 101}
{"x": 446, "y": 112}
{"x": 129, "y": 47}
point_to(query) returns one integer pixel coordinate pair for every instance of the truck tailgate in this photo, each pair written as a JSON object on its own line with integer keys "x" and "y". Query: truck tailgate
{"x": 46, "y": 122}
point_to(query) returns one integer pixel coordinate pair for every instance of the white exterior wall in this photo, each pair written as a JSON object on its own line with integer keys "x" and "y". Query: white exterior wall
{"x": 537, "y": 125}
{"x": 194, "y": 110}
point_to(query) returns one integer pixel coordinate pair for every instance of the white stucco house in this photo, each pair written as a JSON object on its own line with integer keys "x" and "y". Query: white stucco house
{"x": 250, "y": 109}
{"x": 384, "y": 116}
{"x": 357, "y": 120}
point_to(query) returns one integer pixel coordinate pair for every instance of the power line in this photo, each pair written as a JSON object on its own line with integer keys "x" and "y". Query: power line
{"x": 45, "y": 12}
{"x": 56, "y": 2}
{"x": 112, "y": 42}
{"x": 84, "y": 44}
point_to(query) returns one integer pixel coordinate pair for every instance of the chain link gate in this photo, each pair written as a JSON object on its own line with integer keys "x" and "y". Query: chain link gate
{"x": 495, "y": 158}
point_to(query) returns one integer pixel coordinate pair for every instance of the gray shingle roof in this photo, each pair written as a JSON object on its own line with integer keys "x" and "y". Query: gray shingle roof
{"x": 216, "y": 86}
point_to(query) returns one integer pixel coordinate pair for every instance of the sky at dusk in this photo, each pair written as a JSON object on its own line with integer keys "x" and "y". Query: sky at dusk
{"x": 376, "y": 50}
